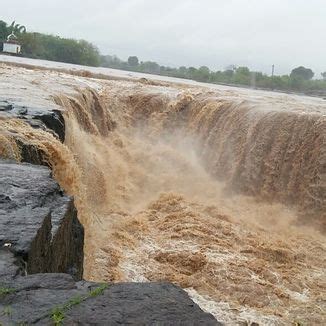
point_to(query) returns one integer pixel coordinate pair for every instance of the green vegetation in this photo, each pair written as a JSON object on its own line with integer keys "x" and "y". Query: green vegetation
{"x": 49, "y": 47}
{"x": 57, "y": 316}
{"x": 7, "y": 311}
{"x": 133, "y": 61}
{"x": 4, "y": 30}
{"x": 58, "y": 313}
{"x": 302, "y": 73}
{"x": 54, "y": 48}
{"x": 300, "y": 78}
{"x": 17, "y": 28}
{"x": 4, "y": 291}
{"x": 98, "y": 291}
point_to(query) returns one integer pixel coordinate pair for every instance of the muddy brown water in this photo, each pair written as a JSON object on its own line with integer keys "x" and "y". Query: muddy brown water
{"x": 221, "y": 191}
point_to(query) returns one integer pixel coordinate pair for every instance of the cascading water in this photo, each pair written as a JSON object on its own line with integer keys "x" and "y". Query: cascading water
{"x": 190, "y": 186}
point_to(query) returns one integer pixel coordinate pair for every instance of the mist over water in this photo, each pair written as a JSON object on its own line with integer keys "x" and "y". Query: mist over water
{"x": 153, "y": 211}
{"x": 200, "y": 188}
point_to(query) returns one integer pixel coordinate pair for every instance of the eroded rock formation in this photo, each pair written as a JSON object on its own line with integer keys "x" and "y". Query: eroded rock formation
{"x": 38, "y": 223}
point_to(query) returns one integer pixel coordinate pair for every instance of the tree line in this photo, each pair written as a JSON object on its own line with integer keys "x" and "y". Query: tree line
{"x": 300, "y": 78}
{"x": 50, "y": 47}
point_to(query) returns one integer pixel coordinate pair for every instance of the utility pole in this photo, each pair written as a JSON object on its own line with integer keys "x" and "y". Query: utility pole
{"x": 273, "y": 77}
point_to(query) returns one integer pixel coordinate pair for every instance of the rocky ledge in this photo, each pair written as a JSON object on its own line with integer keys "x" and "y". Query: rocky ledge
{"x": 38, "y": 222}
{"x": 45, "y": 299}
{"x": 47, "y": 119}
{"x": 41, "y": 265}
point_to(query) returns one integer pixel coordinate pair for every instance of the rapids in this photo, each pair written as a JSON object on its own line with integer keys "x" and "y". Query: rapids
{"x": 219, "y": 191}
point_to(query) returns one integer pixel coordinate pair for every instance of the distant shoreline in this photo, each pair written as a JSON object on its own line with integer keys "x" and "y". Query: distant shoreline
{"x": 127, "y": 75}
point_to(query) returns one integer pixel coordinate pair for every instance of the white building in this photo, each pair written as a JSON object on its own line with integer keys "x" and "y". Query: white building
{"x": 11, "y": 45}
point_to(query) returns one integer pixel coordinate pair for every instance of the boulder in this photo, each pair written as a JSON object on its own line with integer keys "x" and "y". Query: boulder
{"x": 43, "y": 299}
{"x": 38, "y": 222}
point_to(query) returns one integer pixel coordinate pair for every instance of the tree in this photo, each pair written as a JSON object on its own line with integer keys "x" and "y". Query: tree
{"x": 88, "y": 54}
{"x": 242, "y": 76}
{"x": 112, "y": 61}
{"x": 301, "y": 73}
{"x": 182, "y": 72}
{"x": 49, "y": 47}
{"x": 3, "y": 30}
{"x": 228, "y": 74}
{"x": 192, "y": 72}
{"x": 149, "y": 67}
{"x": 17, "y": 28}
{"x": 203, "y": 74}
{"x": 243, "y": 71}
{"x": 133, "y": 61}
{"x": 323, "y": 74}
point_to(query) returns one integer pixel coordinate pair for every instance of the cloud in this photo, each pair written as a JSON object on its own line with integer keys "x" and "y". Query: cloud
{"x": 216, "y": 33}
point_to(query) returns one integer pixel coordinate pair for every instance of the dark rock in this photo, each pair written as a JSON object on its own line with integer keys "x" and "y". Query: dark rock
{"x": 140, "y": 304}
{"x": 35, "y": 297}
{"x": 8, "y": 265}
{"x": 45, "y": 119}
{"x": 38, "y": 222}
{"x": 32, "y": 298}
{"x": 53, "y": 120}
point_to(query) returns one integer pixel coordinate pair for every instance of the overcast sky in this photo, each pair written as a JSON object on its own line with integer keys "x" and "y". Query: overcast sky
{"x": 216, "y": 33}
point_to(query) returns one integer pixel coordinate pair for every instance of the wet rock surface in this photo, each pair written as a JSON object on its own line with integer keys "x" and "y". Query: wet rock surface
{"x": 42, "y": 299}
{"x": 38, "y": 223}
{"x": 50, "y": 120}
